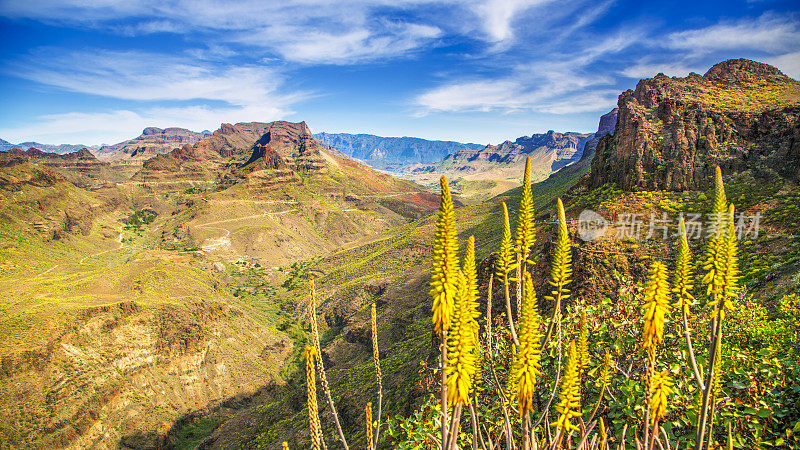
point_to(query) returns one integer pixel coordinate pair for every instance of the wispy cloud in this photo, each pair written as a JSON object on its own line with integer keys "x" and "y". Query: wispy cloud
{"x": 356, "y": 45}
{"x": 305, "y": 31}
{"x": 237, "y": 93}
{"x": 135, "y": 75}
{"x": 499, "y": 16}
{"x": 108, "y": 127}
{"x": 789, "y": 63}
{"x": 769, "y": 32}
{"x": 562, "y": 84}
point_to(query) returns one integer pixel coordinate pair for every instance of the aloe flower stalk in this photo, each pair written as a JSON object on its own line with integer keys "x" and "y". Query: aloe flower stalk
{"x": 444, "y": 273}
{"x": 525, "y": 230}
{"x": 504, "y": 265}
{"x": 656, "y": 299}
{"x": 313, "y": 413}
{"x": 569, "y": 404}
{"x": 462, "y": 337}
{"x": 583, "y": 344}
{"x": 527, "y": 366}
{"x": 560, "y": 271}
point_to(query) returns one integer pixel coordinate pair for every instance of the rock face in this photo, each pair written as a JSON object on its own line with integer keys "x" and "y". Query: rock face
{"x": 608, "y": 123}
{"x": 378, "y": 150}
{"x": 253, "y": 148}
{"x": 288, "y": 144}
{"x": 153, "y": 141}
{"x": 80, "y": 162}
{"x": 672, "y": 132}
{"x": 548, "y": 151}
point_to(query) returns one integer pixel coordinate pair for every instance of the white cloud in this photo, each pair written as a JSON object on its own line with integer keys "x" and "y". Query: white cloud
{"x": 769, "y": 33}
{"x": 788, "y": 63}
{"x": 110, "y": 127}
{"x": 356, "y": 45}
{"x": 559, "y": 85}
{"x": 309, "y": 31}
{"x": 133, "y": 75}
{"x": 245, "y": 93}
{"x": 499, "y": 15}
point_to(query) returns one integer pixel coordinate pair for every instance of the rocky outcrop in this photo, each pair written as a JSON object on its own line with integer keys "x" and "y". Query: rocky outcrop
{"x": 672, "y": 132}
{"x": 81, "y": 166}
{"x": 288, "y": 144}
{"x": 608, "y": 123}
{"x": 548, "y": 152}
{"x": 153, "y": 141}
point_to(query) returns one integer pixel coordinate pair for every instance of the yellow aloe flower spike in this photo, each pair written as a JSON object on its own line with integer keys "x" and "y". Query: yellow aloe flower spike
{"x": 660, "y": 389}
{"x": 730, "y": 278}
{"x": 462, "y": 336}
{"x": 511, "y": 381}
{"x": 313, "y": 412}
{"x": 656, "y": 305}
{"x": 444, "y": 273}
{"x": 285, "y": 445}
{"x": 525, "y": 230}
{"x": 569, "y": 396}
{"x": 713, "y": 258}
{"x": 505, "y": 258}
{"x": 682, "y": 282}
{"x": 527, "y": 368}
{"x": 561, "y": 268}
{"x": 375, "y": 352}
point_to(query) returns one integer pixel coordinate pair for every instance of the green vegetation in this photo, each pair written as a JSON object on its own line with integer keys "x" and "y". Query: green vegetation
{"x": 191, "y": 435}
{"x": 707, "y": 386}
{"x": 750, "y": 96}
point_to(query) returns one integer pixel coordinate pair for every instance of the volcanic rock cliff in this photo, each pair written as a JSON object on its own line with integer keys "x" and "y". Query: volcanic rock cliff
{"x": 275, "y": 145}
{"x": 672, "y": 132}
{"x": 559, "y": 148}
{"x": 153, "y": 141}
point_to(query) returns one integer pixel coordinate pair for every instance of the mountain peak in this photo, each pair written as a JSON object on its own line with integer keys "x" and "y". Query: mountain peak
{"x": 744, "y": 71}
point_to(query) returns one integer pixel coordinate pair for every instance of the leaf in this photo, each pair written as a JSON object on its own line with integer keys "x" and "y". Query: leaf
{"x": 764, "y": 413}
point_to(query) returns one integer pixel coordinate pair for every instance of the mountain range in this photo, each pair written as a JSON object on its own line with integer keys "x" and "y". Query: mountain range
{"x": 60, "y": 148}
{"x": 391, "y": 152}
{"x": 479, "y": 174}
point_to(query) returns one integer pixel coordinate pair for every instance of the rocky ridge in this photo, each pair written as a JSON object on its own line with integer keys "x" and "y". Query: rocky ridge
{"x": 153, "y": 141}
{"x": 672, "y": 132}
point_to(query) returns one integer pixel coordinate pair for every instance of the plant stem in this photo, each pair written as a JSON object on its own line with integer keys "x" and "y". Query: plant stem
{"x": 717, "y": 338}
{"x": 476, "y": 435}
{"x": 503, "y": 401}
{"x": 455, "y": 422}
{"x": 510, "y": 317}
{"x": 526, "y": 437}
{"x": 687, "y": 333}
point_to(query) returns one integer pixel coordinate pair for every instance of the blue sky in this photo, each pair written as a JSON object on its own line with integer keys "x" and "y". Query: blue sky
{"x": 99, "y": 71}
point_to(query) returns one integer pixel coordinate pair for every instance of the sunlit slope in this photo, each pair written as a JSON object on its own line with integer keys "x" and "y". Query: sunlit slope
{"x": 105, "y": 338}
{"x": 392, "y": 269}
{"x": 291, "y": 200}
